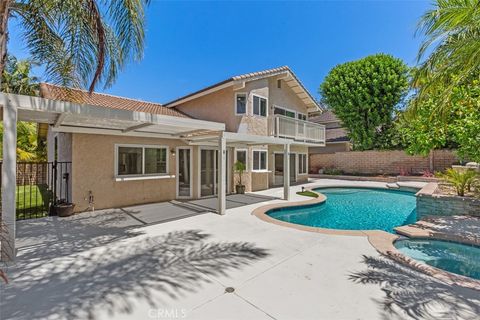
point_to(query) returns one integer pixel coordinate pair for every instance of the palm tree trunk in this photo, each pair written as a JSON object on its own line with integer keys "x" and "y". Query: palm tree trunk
{"x": 4, "y": 12}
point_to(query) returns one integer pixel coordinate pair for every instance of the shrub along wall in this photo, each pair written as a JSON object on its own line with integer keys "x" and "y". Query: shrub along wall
{"x": 382, "y": 162}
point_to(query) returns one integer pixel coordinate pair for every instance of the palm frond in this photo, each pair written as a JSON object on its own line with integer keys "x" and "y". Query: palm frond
{"x": 84, "y": 42}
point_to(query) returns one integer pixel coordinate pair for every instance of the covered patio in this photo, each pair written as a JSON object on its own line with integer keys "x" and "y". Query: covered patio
{"x": 69, "y": 117}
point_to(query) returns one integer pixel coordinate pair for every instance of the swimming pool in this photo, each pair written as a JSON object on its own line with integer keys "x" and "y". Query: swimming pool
{"x": 354, "y": 209}
{"x": 450, "y": 256}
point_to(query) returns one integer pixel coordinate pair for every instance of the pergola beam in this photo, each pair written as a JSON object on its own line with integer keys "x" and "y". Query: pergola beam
{"x": 59, "y": 120}
{"x": 137, "y": 126}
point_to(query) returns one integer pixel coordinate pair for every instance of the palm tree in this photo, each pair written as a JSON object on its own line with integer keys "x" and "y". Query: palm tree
{"x": 452, "y": 35}
{"x": 80, "y": 43}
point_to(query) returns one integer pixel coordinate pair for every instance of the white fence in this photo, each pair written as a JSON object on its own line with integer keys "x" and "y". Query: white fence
{"x": 286, "y": 127}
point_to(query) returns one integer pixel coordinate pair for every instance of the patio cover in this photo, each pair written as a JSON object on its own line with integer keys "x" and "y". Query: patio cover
{"x": 80, "y": 118}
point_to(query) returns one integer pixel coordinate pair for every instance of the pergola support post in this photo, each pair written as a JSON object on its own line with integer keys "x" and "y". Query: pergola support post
{"x": 286, "y": 172}
{"x": 9, "y": 182}
{"x": 222, "y": 150}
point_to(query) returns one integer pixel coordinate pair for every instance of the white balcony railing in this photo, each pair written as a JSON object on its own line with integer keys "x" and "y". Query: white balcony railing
{"x": 286, "y": 127}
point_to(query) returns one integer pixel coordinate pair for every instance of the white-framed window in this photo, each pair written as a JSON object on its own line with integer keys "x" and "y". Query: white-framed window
{"x": 259, "y": 160}
{"x": 302, "y": 116}
{"x": 240, "y": 103}
{"x": 302, "y": 163}
{"x": 259, "y": 106}
{"x": 241, "y": 155}
{"x": 284, "y": 112}
{"x": 140, "y": 160}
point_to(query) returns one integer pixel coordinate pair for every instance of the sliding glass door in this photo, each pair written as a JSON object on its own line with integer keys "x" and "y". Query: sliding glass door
{"x": 278, "y": 174}
{"x": 184, "y": 172}
{"x": 208, "y": 172}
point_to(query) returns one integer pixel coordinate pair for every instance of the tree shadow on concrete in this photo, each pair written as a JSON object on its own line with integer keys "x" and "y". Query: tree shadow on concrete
{"x": 116, "y": 277}
{"x": 418, "y": 296}
{"x": 468, "y": 227}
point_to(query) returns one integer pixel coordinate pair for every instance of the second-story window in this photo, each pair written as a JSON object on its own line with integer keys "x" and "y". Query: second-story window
{"x": 302, "y": 116}
{"x": 240, "y": 103}
{"x": 259, "y": 106}
{"x": 284, "y": 112}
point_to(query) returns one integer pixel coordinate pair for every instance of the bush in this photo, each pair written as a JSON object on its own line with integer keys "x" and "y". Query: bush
{"x": 461, "y": 180}
{"x": 332, "y": 171}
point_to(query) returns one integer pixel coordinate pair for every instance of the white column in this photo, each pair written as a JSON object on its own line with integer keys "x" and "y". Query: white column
{"x": 222, "y": 150}
{"x": 286, "y": 172}
{"x": 9, "y": 182}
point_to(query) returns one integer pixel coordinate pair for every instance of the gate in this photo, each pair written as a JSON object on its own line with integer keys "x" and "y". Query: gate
{"x": 39, "y": 186}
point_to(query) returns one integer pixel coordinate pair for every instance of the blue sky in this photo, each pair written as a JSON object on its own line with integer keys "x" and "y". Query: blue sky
{"x": 190, "y": 45}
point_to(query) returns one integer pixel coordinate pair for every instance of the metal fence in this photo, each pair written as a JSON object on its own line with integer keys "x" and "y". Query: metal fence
{"x": 39, "y": 186}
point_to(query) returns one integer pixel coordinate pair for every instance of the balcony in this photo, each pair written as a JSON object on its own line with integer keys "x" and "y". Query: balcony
{"x": 298, "y": 130}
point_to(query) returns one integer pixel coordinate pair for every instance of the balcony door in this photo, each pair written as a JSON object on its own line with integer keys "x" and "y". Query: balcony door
{"x": 278, "y": 163}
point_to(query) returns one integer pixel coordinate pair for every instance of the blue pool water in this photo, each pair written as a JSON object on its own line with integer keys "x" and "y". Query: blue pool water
{"x": 354, "y": 209}
{"x": 450, "y": 256}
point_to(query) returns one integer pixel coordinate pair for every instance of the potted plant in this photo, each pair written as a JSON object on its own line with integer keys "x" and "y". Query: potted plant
{"x": 239, "y": 167}
{"x": 63, "y": 208}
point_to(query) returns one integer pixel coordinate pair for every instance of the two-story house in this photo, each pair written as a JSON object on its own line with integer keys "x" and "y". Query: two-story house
{"x": 125, "y": 152}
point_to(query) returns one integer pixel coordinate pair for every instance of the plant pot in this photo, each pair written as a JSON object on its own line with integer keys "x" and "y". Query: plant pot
{"x": 64, "y": 209}
{"x": 240, "y": 189}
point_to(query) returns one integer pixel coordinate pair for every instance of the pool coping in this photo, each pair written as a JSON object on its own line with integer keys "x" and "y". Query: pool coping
{"x": 381, "y": 240}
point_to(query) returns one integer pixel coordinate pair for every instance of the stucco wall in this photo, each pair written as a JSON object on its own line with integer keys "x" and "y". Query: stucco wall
{"x": 216, "y": 106}
{"x": 259, "y": 181}
{"x": 93, "y": 169}
{"x": 284, "y": 97}
{"x": 220, "y": 106}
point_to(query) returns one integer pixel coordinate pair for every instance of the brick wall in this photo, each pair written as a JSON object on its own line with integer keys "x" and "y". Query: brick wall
{"x": 382, "y": 162}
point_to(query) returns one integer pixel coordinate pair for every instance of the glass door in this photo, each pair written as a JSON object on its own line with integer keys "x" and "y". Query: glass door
{"x": 184, "y": 172}
{"x": 293, "y": 167}
{"x": 278, "y": 174}
{"x": 208, "y": 172}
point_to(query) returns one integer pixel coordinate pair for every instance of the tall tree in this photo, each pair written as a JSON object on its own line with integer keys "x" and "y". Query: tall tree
{"x": 80, "y": 43}
{"x": 452, "y": 35}
{"x": 364, "y": 94}
{"x": 424, "y": 129}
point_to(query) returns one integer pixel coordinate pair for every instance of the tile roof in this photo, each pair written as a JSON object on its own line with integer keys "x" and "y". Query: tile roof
{"x": 326, "y": 116}
{"x": 336, "y": 135}
{"x": 332, "y": 134}
{"x": 50, "y": 91}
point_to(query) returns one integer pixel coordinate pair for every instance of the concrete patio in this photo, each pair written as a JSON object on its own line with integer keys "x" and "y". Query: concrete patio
{"x": 129, "y": 264}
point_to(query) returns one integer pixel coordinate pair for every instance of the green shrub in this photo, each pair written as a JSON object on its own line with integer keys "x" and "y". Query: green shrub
{"x": 461, "y": 180}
